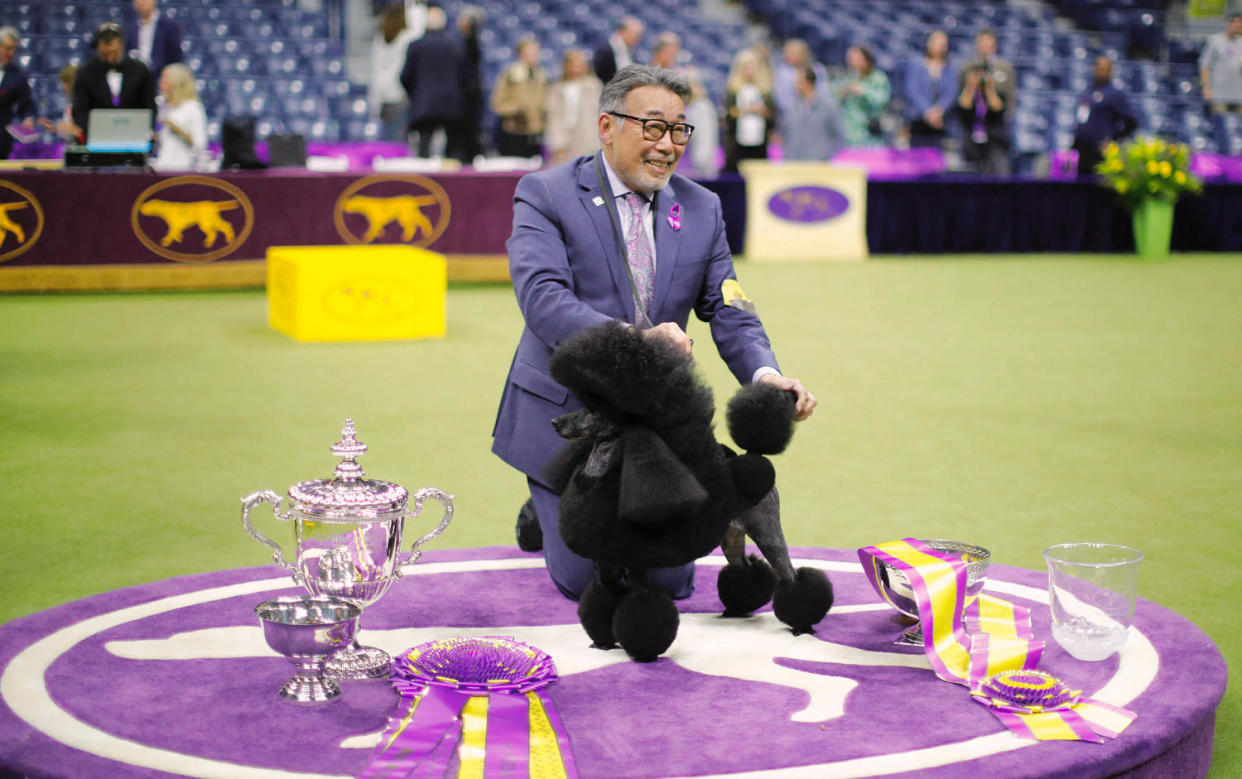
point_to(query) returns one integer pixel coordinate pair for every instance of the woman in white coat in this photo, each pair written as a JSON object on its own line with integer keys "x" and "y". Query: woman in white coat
{"x": 182, "y": 119}
{"x": 572, "y": 127}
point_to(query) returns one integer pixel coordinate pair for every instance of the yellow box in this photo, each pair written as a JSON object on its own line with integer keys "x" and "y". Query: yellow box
{"x": 355, "y": 293}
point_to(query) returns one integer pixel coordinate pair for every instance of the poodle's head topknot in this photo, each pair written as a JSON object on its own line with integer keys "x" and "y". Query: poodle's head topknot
{"x": 615, "y": 371}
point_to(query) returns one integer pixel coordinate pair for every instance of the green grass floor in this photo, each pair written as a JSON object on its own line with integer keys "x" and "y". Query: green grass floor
{"x": 1009, "y": 402}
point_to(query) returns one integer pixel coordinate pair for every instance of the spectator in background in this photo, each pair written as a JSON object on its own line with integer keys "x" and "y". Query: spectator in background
{"x": 1220, "y": 70}
{"x": 1000, "y": 71}
{"x": 182, "y": 119}
{"x": 434, "y": 77}
{"x": 619, "y": 50}
{"x": 749, "y": 109}
{"x": 111, "y": 79}
{"x": 153, "y": 38}
{"x": 864, "y": 94}
{"x": 664, "y": 53}
{"x": 469, "y": 21}
{"x": 16, "y": 100}
{"x": 795, "y": 58}
{"x": 518, "y": 99}
{"x": 701, "y": 114}
{"x": 932, "y": 87}
{"x": 416, "y": 17}
{"x": 1104, "y": 115}
{"x": 812, "y": 126}
{"x": 981, "y": 110}
{"x": 64, "y": 127}
{"x": 573, "y": 109}
{"x": 387, "y": 98}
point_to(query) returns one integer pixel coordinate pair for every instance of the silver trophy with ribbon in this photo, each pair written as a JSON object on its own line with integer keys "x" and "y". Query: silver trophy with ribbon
{"x": 347, "y": 536}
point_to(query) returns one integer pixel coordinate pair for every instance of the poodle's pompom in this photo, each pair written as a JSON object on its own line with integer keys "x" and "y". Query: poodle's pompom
{"x": 645, "y": 624}
{"x": 761, "y": 418}
{"x": 745, "y": 587}
{"x": 596, "y": 607}
{"x": 753, "y": 476}
{"x": 803, "y": 602}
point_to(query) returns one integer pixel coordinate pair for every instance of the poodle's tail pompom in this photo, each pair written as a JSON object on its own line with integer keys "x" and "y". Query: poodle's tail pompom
{"x": 596, "y": 607}
{"x": 753, "y": 476}
{"x": 761, "y": 418}
{"x": 645, "y": 624}
{"x": 803, "y": 602}
{"x": 746, "y": 586}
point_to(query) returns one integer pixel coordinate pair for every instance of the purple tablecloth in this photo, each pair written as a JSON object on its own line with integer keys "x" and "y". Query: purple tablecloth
{"x": 174, "y": 676}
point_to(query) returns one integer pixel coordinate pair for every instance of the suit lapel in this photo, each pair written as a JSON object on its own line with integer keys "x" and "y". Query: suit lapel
{"x": 588, "y": 181}
{"x": 668, "y": 246}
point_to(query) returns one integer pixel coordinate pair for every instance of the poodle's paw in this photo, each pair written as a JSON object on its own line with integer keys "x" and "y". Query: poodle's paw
{"x": 803, "y": 602}
{"x": 596, "y": 607}
{"x": 645, "y": 624}
{"x": 745, "y": 587}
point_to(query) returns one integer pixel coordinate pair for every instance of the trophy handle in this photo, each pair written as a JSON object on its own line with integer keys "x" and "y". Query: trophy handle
{"x": 248, "y": 504}
{"x": 419, "y": 497}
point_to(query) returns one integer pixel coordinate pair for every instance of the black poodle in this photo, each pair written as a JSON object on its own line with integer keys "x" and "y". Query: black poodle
{"x": 645, "y": 484}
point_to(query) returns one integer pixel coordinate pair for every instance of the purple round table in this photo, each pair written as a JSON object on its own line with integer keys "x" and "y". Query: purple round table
{"x": 173, "y": 677}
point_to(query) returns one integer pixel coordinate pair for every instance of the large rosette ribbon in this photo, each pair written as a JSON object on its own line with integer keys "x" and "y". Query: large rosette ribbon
{"x": 987, "y": 645}
{"x": 473, "y": 707}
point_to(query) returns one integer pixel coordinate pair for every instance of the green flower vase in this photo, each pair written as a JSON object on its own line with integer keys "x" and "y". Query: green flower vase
{"x": 1153, "y": 228}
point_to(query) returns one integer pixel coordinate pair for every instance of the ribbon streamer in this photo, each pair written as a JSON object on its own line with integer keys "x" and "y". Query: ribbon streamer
{"x": 473, "y": 707}
{"x": 987, "y": 645}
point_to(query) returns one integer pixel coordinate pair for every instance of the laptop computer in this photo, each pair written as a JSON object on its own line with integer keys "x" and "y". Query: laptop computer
{"x": 119, "y": 129}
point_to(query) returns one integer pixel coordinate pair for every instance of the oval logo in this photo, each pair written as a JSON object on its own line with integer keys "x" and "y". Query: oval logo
{"x": 192, "y": 218}
{"x": 370, "y": 300}
{"x": 408, "y": 209}
{"x": 808, "y": 204}
{"x": 21, "y": 220}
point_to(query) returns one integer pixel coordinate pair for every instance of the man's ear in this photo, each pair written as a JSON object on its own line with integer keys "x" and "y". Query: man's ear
{"x": 607, "y": 123}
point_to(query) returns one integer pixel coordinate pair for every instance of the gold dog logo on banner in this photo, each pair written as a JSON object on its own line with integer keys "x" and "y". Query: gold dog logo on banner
{"x": 407, "y": 209}
{"x": 191, "y": 217}
{"x": 21, "y": 221}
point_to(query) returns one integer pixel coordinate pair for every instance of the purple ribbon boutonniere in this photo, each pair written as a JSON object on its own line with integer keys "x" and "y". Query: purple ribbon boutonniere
{"x": 674, "y": 216}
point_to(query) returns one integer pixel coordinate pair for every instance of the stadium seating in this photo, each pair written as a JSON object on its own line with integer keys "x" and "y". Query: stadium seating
{"x": 276, "y": 61}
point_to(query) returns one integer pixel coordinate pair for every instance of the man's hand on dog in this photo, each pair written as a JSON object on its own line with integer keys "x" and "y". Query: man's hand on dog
{"x": 803, "y": 407}
{"x": 805, "y": 404}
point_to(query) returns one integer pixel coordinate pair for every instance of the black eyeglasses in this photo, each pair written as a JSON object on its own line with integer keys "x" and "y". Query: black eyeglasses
{"x": 654, "y": 129}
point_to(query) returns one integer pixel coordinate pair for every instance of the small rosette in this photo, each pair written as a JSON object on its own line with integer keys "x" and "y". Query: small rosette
{"x": 474, "y": 666}
{"x": 1025, "y": 692}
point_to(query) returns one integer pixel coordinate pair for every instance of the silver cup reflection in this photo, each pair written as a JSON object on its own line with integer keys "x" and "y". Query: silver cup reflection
{"x": 309, "y": 630}
{"x": 898, "y": 591}
{"x": 348, "y": 536}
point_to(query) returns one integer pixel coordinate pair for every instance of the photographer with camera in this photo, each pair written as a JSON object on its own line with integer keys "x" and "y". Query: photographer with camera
{"x": 988, "y": 93}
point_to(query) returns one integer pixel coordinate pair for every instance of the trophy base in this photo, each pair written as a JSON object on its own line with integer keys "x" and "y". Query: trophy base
{"x": 303, "y": 689}
{"x": 913, "y": 636}
{"x": 358, "y": 662}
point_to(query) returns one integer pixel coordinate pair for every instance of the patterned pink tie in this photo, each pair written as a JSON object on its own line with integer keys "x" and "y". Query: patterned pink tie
{"x": 638, "y": 249}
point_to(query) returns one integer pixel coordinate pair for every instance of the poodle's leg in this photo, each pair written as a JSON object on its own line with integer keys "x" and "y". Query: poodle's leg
{"x": 746, "y": 583}
{"x": 803, "y": 597}
{"x": 598, "y": 604}
{"x": 646, "y": 620}
{"x": 763, "y": 524}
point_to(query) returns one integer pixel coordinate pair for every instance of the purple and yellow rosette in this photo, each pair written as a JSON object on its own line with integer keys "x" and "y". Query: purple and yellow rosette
{"x": 987, "y": 645}
{"x": 479, "y": 704}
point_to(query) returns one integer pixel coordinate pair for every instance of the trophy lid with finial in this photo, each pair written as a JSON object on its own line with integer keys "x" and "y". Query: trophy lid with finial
{"x": 349, "y": 495}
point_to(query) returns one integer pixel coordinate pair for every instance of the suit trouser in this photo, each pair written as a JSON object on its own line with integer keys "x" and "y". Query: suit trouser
{"x": 571, "y": 573}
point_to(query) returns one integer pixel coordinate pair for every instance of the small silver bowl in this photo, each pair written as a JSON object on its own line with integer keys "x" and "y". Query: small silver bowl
{"x": 898, "y": 591}
{"x": 309, "y": 630}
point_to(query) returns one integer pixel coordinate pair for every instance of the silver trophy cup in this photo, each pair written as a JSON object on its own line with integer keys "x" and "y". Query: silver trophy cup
{"x": 900, "y": 593}
{"x": 348, "y": 538}
{"x": 308, "y": 630}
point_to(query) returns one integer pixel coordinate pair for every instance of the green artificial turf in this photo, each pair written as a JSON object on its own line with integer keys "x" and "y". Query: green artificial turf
{"x": 1009, "y": 402}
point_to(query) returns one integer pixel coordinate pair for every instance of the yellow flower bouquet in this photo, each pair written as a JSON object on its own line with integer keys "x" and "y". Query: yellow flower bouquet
{"x": 1147, "y": 167}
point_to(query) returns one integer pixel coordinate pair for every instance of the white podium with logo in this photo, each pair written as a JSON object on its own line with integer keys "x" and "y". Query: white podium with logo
{"x": 804, "y": 211}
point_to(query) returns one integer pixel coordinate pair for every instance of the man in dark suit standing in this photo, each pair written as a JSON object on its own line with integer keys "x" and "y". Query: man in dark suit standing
{"x": 434, "y": 77}
{"x": 619, "y": 50}
{"x": 155, "y": 37}
{"x": 111, "y": 79}
{"x": 569, "y": 272}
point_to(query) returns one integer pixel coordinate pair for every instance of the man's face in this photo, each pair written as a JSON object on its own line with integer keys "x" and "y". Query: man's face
{"x": 1103, "y": 70}
{"x": 792, "y": 54}
{"x": 644, "y": 166}
{"x": 1235, "y": 27}
{"x": 112, "y": 51}
{"x": 7, "y": 50}
{"x": 144, "y": 7}
{"x": 632, "y": 33}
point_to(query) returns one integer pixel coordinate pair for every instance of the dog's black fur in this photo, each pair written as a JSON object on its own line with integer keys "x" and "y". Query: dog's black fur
{"x": 645, "y": 484}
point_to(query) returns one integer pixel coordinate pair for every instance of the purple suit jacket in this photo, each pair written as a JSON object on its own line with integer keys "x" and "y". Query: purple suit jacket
{"x": 568, "y": 273}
